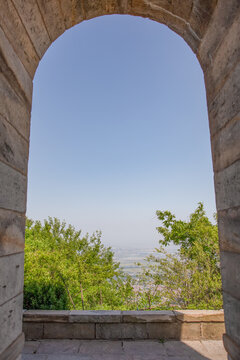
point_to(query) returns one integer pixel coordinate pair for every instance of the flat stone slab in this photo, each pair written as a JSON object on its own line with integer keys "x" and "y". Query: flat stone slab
{"x": 95, "y": 316}
{"x": 200, "y": 315}
{"x": 123, "y": 350}
{"x": 46, "y": 315}
{"x": 148, "y": 316}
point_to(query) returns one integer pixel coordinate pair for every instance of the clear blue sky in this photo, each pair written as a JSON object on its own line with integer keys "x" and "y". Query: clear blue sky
{"x": 119, "y": 130}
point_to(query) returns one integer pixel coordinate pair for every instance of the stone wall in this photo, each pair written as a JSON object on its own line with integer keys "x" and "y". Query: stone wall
{"x": 27, "y": 29}
{"x": 122, "y": 325}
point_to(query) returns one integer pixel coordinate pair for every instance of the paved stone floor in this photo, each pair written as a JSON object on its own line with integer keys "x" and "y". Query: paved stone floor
{"x": 123, "y": 350}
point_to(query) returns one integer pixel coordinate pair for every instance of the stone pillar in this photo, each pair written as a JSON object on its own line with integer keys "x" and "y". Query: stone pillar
{"x": 15, "y": 107}
{"x": 220, "y": 58}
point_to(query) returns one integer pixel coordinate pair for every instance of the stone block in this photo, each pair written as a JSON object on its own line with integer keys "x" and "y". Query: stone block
{"x": 33, "y": 22}
{"x": 225, "y": 58}
{"x": 13, "y": 351}
{"x": 227, "y": 187}
{"x": 228, "y": 226}
{"x": 14, "y": 108}
{"x": 13, "y": 147}
{"x": 212, "y": 331}
{"x": 121, "y": 331}
{"x": 92, "y": 8}
{"x": 10, "y": 321}
{"x": 143, "y": 347}
{"x": 31, "y": 347}
{"x": 232, "y": 311}
{"x": 11, "y": 279}
{"x": 231, "y": 347}
{"x": 53, "y": 18}
{"x": 69, "y": 331}
{"x": 13, "y": 189}
{"x": 201, "y": 15}
{"x": 96, "y": 347}
{"x": 163, "y": 330}
{"x": 95, "y": 316}
{"x": 200, "y": 315}
{"x": 33, "y": 331}
{"x": 12, "y": 230}
{"x": 16, "y": 33}
{"x": 13, "y": 68}
{"x": 73, "y": 12}
{"x": 222, "y": 19}
{"x": 230, "y": 269}
{"x": 46, "y": 316}
{"x": 148, "y": 316}
{"x": 226, "y": 104}
{"x": 225, "y": 145}
{"x": 190, "y": 331}
{"x": 58, "y": 346}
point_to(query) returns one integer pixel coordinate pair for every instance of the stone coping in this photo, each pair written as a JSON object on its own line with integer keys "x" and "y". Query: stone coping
{"x": 115, "y": 316}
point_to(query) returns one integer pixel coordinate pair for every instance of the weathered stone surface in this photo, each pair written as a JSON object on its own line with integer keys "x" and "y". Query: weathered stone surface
{"x": 200, "y": 315}
{"x": 232, "y": 348}
{"x": 227, "y": 187}
{"x": 148, "y": 316}
{"x": 222, "y": 19}
{"x": 232, "y": 311}
{"x": 69, "y": 331}
{"x": 228, "y": 226}
{"x": 225, "y": 145}
{"x": 95, "y": 316}
{"x": 201, "y": 14}
{"x": 97, "y": 347}
{"x": 13, "y": 147}
{"x": 13, "y": 351}
{"x": 46, "y": 316}
{"x": 31, "y": 347}
{"x": 58, "y": 346}
{"x": 212, "y": 331}
{"x": 18, "y": 36}
{"x": 12, "y": 230}
{"x": 190, "y": 331}
{"x": 13, "y": 68}
{"x": 121, "y": 331}
{"x": 10, "y": 321}
{"x": 53, "y": 17}
{"x": 226, "y": 104}
{"x": 73, "y": 12}
{"x": 13, "y": 189}
{"x": 33, "y": 331}
{"x": 33, "y": 22}
{"x": 230, "y": 268}
{"x": 14, "y": 108}
{"x": 11, "y": 280}
{"x": 149, "y": 348}
{"x": 225, "y": 59}
{"x": 163, "y": 330}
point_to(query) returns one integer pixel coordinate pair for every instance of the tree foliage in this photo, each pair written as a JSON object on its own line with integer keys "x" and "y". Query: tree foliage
{"x": 64, "y": 270}
{"x": 189, "y": 278}
{"x": 60, "y": 265}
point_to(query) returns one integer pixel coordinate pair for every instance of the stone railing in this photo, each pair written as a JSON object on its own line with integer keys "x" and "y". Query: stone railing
{"x": 115, "y": 325}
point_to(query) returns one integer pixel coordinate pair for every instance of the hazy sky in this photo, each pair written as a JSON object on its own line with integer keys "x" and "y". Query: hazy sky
{"x": 119, "y": 130}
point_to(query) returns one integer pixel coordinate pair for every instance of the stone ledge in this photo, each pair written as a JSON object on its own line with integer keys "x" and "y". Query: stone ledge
{"x": 115, "y": 316}
{"x": 122, "y": 325}
{"x": 200, "y": 315}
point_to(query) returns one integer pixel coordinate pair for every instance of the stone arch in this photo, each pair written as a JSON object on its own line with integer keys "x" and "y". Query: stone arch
{"x": 27, "y": 29}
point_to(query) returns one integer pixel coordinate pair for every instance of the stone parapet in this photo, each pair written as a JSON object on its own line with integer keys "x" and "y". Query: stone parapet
{"x": 123, "y": 325}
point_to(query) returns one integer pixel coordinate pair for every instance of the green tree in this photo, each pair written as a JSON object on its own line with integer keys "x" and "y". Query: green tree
{"x": 60, "y": 265}
{"x": 189, "y": 278}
